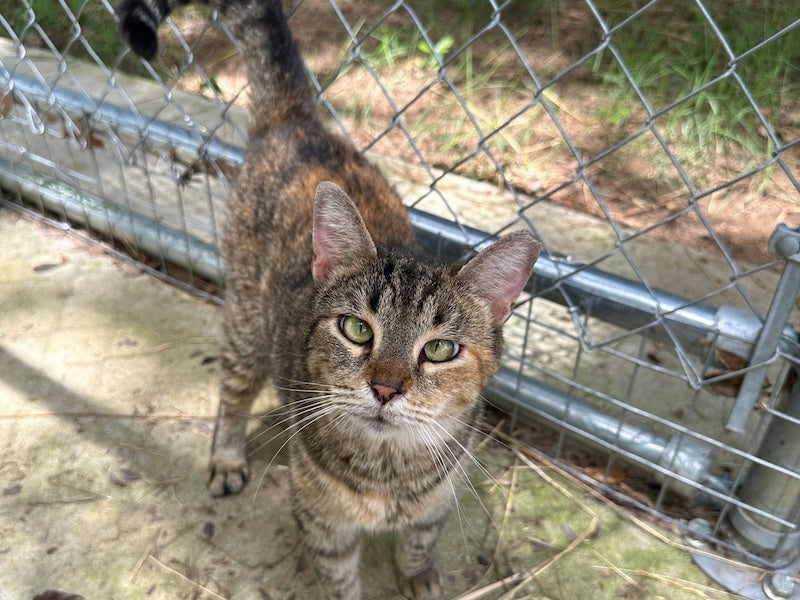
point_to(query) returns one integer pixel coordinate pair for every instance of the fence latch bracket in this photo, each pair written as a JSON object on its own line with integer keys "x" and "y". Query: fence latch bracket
{"x": 785, "y": 242}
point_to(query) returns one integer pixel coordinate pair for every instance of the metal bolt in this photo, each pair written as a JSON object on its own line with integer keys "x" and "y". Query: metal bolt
{"x": 784, "y": 241}
{"x": 787, "y": 246}
{"x": 779, "y": 585}
{"x": 699, "y": 532}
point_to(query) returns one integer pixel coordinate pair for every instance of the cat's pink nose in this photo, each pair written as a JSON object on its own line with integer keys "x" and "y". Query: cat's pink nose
{"x": 383, "y": 391}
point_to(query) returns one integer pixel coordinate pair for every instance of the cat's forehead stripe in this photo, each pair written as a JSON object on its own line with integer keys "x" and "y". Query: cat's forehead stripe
{"x": 406, "y": 285}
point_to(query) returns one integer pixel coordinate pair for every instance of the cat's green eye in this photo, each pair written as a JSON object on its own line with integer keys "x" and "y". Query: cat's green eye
{"x": 440, "y": 350}
{"x": 355, "y": 330}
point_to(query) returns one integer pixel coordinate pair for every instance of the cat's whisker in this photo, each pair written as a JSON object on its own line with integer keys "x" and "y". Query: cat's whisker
{"x": 455, "y": 461}
{"x": 308, "y": 421}
{"x": 461, "y": 469}
{"x": 485, "y": 435}
{"x": 290, "y": 413}
{"x": 309, "y": 388}
{"x": 301, "y": 383}
{"x": 439, "y": 459}
{"x": 303, "y": 403}
{"x": 295, "y": 418}
{"x": 330, "y": 426}
{"x": 291, "y": 407}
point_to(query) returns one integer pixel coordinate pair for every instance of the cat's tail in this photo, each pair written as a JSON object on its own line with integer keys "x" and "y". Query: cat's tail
{"x": 139, "y": 20}
{"x": 279, "y": 89}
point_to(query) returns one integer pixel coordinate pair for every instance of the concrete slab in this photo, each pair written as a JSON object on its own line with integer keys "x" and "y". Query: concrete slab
{"x": 107, "y": 397}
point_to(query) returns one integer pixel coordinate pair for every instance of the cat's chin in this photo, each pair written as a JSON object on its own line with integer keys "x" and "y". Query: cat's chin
{"x": 380, "y": 430}
{"x": 382, "y": 422}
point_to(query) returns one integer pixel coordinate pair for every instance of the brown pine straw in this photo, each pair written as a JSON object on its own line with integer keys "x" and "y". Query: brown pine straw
{"x": 518, "y": 581}
{"x": 185, "y": 578}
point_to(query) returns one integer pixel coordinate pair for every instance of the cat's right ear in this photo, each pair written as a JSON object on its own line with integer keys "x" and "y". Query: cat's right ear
{"x": 339, "y": 236}
{"x": 499, "y": 272}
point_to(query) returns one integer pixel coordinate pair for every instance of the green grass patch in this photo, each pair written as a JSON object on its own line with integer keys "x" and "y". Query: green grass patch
{"x": 672, "y": 50}
{"x": 81, "y": 28}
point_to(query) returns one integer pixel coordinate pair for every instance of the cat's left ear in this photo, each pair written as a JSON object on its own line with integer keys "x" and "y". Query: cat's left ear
{"x": 499, "y": 272}
{"x": 339, "y": 236}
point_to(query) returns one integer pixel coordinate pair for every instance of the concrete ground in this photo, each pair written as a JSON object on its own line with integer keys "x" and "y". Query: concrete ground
{"x": 107, "y": 396}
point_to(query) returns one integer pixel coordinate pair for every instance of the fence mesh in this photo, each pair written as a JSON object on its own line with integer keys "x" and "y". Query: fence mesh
{"x": 652, "y": 148}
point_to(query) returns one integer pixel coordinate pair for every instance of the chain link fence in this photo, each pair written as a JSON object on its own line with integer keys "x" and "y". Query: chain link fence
{"x": 651, "y": 147}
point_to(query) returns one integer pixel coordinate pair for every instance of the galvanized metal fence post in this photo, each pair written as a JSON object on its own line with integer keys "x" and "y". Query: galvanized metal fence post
{"x": 773, "y": 484}
{"x": 784, "y": 242}
{"x": 774, "y": 487}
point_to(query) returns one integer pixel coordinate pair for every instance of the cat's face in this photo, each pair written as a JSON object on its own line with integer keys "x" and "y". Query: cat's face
{"x": 402, "y": 344}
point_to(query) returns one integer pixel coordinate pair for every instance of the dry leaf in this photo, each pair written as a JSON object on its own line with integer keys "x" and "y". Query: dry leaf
{"x": 615, "y": 476}
{"x": 729, "y": 360}
{"x": 81, "y": 132}
{"x": 56, "y": 595}
{"x": 6, "y": 105}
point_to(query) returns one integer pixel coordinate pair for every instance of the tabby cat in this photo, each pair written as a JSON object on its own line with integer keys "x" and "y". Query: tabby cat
{"x": 379, "y": 353}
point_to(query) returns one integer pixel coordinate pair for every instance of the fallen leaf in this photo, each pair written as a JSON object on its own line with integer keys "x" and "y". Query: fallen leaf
{"x": 614, "y": 476}
{"x": 81, "y": 132}
{"x": 44, "y": 267}
{"x": 729, "y": 386}
{"x": 729, "y": 360}
{"x": 12, "y": 490}
{"x": 569, "y": 532}
{"x": 6, "y": 105}
{"x": 56, "y": 595}
{"x": 208, "y": 529}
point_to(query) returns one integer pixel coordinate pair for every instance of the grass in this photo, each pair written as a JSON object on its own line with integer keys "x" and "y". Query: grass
{"x": 70, "y": 27}
{"x": 450, "y": 27}
{"x": 671, "y": 51}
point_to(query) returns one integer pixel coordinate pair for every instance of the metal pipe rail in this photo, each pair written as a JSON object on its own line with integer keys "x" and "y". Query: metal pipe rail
{"x": 614, "y": 299}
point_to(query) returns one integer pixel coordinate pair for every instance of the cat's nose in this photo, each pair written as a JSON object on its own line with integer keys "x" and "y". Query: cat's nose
{"x": 384, "y": 391}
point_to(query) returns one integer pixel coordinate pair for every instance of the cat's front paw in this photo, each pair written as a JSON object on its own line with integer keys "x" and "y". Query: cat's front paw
{"x": 227, "y": 473}
{"x": 422, "y": 586}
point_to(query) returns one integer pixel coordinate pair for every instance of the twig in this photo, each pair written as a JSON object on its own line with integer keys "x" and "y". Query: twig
{"x": 520, "y": 580}
{"x": 489, "y": 437}
{"x": 628, "y": 579}
{"x": 147, "y": 552}
{"x": 554, "y": 99}
{"x": 509, "y": 503}
{"x": 622, "y": 512}
{"x": 488, "y": 589}
{"x": 84, "y": 500}
{"x": 698, "y": 589}
{"x": 185, "y": 578}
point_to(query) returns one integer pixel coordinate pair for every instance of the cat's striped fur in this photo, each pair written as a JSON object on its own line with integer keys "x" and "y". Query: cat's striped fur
{"x": 380, "y": 355}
